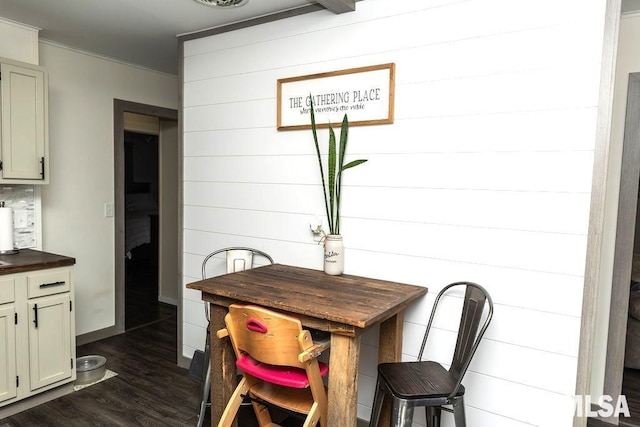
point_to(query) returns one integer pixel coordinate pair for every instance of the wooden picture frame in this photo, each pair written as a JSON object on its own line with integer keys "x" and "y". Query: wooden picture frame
{"x": 365, "y": 94}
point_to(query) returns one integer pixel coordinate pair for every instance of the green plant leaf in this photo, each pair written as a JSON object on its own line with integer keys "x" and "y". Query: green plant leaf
{"x": 353, "y": 164}
{"x": 344, "y": 134}
{"x": 332, "y": 180}
{"x": 315, "y": 140}
{"x": 332, "y": 188}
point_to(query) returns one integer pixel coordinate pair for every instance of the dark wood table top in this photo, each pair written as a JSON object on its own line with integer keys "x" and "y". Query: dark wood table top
{"x": 31, "y": 259}
{"x": 347, "y": 300}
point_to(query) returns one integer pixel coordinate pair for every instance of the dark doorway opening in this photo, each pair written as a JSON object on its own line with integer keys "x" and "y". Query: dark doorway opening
{"x": 153, "y": 294}
{"x": 141, "y": 230}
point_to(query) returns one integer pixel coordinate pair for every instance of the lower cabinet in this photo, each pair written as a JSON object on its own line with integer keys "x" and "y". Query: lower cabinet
{"x": 8, "y": 386}
{"x": 50, "y": 358}
{"x": 37, "y": 333}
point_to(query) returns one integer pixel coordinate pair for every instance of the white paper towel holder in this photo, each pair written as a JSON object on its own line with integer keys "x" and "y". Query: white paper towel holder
{"x": 15, "y": 250}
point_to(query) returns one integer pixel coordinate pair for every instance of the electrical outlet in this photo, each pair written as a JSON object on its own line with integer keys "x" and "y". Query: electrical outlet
{"x": 20, "y": 219}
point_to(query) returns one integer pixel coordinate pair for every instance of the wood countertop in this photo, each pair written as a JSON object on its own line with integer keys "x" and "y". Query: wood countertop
{"x": 30, "y": 260}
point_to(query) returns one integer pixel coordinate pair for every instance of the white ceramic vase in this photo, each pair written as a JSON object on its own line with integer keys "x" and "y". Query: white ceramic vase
{"x": 333, "y": 255}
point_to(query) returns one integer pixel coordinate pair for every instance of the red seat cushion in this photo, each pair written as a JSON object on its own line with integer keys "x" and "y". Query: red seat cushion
{"x": 282, "y": 375}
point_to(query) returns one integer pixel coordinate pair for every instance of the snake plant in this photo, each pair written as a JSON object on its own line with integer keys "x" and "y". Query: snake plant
{"x": 336, "y": 167}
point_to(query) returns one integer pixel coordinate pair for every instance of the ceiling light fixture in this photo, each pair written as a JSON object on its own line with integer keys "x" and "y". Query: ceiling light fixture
{"x": 223, "y": 3}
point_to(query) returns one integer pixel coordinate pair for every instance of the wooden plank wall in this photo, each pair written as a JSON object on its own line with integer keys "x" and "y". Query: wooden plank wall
{"x": 484, "y": 176}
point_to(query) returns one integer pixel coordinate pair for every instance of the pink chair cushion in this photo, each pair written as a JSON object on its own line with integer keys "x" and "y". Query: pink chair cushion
{"x": 282, "y": 375}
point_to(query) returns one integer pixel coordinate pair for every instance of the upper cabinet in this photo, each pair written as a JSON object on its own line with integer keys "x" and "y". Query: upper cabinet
{"x": 24, "y": 124}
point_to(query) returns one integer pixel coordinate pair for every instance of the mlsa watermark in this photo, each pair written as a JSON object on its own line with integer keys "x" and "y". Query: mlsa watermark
{"x": 605, "y": 406}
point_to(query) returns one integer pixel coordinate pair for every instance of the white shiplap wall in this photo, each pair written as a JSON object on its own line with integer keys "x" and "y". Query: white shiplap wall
{"x": 484, "y": 176}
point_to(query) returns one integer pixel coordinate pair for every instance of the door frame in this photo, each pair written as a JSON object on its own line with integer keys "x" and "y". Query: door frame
{"x": 119, "y": 108}
{"x": 595, "y": 239}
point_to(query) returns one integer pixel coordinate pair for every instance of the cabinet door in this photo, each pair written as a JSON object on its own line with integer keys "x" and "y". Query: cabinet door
{"x": 24, "y": 122}
{"x": 49, "y": 340}
{"x": 8, "y": 386}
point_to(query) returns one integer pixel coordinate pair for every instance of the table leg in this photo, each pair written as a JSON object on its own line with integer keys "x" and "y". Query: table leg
{"x": 223, "y": 367}
{"x": 342, "y": 402}
{"x": 390, "y": 350}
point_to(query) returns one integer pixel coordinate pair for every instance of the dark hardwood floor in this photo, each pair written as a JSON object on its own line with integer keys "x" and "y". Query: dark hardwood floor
{"x": 141, "y": 288}
{"x": 631, "y": 389}
{"x": 149, "y": 390}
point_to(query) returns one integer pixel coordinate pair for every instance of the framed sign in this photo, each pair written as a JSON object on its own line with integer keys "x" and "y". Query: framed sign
{"x": 365, "y": 94}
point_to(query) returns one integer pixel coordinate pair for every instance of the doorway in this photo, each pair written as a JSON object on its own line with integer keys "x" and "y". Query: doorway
{"x": 141, "y": 188}
{"x": 623, "y": 254}
{"x": 146, "y": 186}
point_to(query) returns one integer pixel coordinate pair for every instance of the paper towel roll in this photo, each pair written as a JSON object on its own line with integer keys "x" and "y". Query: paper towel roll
{"x": 6, "y": 229}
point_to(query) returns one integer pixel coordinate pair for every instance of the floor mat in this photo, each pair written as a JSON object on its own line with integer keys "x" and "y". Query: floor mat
{"x": 108, "y": 374}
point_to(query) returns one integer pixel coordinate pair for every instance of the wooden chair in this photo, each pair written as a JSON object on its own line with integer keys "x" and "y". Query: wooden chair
{"x": 237, "y": 258}
{"x": 279, "y": 365}
{"x": 428, "y": 384}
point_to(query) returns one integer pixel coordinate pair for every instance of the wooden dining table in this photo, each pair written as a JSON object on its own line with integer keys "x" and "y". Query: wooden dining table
{"x": 344, "y": 305}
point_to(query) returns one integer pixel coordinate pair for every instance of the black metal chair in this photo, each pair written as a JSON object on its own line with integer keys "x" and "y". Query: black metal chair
{"x": 428, "y": 384}
{"x": 237, "y": 259}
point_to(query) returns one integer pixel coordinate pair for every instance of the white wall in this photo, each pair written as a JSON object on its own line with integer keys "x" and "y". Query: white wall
{"x": 82, "y": 88}
{"x": 484, "y": 176}
{"x": 168, "y": 275}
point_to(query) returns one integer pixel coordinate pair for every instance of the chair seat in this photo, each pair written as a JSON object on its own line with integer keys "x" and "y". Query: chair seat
{"x": 281, "y": 375}
{"x": 279, "y": 364}
{"x": 295, "y": 400}
{"x": 426, "y": 383}
{"x": 418, "y": 380}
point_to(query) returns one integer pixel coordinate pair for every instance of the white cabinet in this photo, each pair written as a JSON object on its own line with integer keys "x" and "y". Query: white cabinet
{"x": 24, "y": 124}
{"x": 37, "y": 332}
{"x": 50, "y": 358}
{"x": 8, "y": 382}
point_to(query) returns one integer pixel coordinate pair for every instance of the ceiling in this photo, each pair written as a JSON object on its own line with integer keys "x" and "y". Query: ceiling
{"x": 629, "y": 6}
{"x": 141, "y": 32}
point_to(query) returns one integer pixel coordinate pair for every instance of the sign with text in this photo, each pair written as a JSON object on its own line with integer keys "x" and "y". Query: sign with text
{"x": 364, "y": 94}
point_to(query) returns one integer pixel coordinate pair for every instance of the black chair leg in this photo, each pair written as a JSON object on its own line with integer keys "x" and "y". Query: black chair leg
{"x": 458, "y": 412}
{"x": 377, "y": 404}
{"x": 401, "y": 413}
{"x": 205, "y": 391}
{"x": 434, "y": 414}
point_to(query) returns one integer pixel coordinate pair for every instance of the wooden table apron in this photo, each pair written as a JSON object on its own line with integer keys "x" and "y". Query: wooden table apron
{"x": 344, "y": 305}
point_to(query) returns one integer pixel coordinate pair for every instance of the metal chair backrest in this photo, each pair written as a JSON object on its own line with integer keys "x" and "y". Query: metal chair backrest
{"x": 239, "y": 258}
{"x": 469, "y": 332}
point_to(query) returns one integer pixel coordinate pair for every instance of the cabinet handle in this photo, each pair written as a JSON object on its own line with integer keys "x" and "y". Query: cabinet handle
{"x": 35, "y": 315}
{"x": 46, "y": 285}
{"x": 42, "y": 167}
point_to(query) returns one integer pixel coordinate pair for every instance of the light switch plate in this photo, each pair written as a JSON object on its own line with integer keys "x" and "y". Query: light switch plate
{"x": 108, "y": 210}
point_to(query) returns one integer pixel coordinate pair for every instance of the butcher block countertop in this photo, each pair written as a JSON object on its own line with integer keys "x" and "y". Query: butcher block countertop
{"x": 29, "y": 260}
